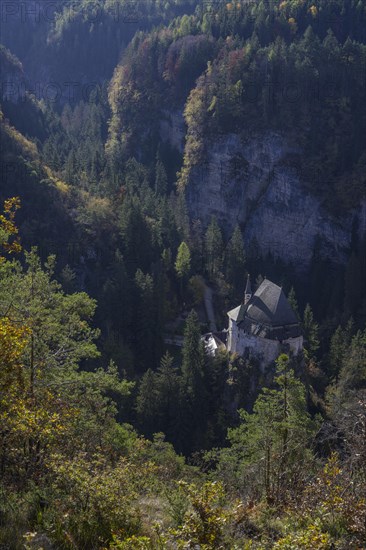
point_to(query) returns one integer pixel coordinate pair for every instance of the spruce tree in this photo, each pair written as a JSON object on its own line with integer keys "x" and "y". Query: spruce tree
{"x": 167, "y": 383}
{"x": 193, "y": 392}
{"x": 147, "y": 404}
{"x": 311, "y": 330}
{"x": 235, "y": 262}
{"x": 337, "y": 350}
{"x": 346, "y": 405}
{"x": 192, "y": 356}
{"x": 293, "y": 302}
{"x": 146, "y": 329}
{"x": 272, "y": 446}
{"x": 214, "y": 248}
{"x": 161, "y": 180}
{"x": 352, "y": 376}
{"x": 183, "y": 261}
{"x": 339, "y": 345}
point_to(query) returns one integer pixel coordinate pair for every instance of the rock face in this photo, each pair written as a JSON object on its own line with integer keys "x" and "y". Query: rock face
{"x": 254, "y": 183}
{"x": 172, "y": 129}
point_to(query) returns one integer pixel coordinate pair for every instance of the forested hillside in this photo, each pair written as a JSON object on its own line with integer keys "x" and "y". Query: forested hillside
{"x": 152, "y": 155}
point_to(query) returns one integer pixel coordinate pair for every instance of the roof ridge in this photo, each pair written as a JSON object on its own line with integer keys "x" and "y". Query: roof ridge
{"x": 279, "y": 297}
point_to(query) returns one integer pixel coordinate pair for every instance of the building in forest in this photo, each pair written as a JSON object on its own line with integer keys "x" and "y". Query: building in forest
{"x": 263, "y": 326}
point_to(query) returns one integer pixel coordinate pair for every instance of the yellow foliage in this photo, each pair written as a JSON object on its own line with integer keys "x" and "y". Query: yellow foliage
{"x": 310, "y": 538}
{"x": 8, "y": 229}
{"x": 293, "y": 24}
{"x": 28, "y": 147}
{"x": 132, "y": 543}
{"x": 13, "y": 339}
{"x": 203, "y": 526}
{"x": 62, "y": 187}
{"x": 313, "y": 10}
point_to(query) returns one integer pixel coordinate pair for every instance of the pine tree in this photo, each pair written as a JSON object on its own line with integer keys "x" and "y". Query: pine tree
{"x": 146, "y": 328}
{"x": 214, "y": 248}
{"x": 311, "y": 330}
{"x": 192, "y": 355}
{"x": 216, "y": 378}
{"x": 179, "y": 208}
{"x": 346, "y": 402}
{"x": 337, "y": 350}
{"x": 56, "y": 320}
{"x": 273, "y": 444}
{"x": 193, "y": 392}
{"x": 136, "y": 235}
{"x": 51, "y": 401}
{"x": 183, "y": 261}
{"x": 167, "y": 383}
{"x": 235, "y": 262}
{"x": 147, "y": 404}
{"x": 161, "y": 180}
{"x": 353, "y": 373}
{"x": 339, "y": 345}
{"x": 67, "y": 278}
{"x": 293, "y": 302}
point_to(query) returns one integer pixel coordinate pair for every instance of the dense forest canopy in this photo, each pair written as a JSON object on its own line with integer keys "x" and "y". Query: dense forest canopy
{"x": 118, "y": 430}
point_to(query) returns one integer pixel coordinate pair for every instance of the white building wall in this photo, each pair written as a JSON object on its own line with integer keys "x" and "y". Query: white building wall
{"x": 242, "y": 343}
{"x": 232, "y": 336}
{"x": 296, "y": 344}
{"x": 264, "y": 349}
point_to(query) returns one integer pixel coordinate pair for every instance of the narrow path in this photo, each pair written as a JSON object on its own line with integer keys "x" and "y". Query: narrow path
{"x": 173, "y": 340}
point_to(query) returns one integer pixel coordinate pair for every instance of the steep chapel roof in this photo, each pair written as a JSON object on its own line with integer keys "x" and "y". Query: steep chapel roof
{"x": 267, "y": 314}
{"x": 270, "y": 306}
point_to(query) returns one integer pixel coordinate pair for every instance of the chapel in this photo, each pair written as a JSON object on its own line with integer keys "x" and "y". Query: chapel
{"x": 264, "y": 325}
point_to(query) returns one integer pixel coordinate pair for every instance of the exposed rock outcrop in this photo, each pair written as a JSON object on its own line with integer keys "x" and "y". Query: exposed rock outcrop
{"x": 254, "y": 182}
{"x": 172, "y": 129}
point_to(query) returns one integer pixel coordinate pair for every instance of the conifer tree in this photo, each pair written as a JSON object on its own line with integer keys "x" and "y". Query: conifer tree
{"x": 167, "y": 383}
{"x": 346, "y": 405}
{"x": 235, "y": 262}
{"x": 179, "y": 207}
{"x": 192, "y": 355}
{"x": 161, "y": 180}
{"x": 273, "y": 444}
{"x": 147, "y": 404}
{"x": 51, "y": 401}
{"x": 293, "y": 302}
{"x": 339, "y": 345}
{"x": 183, "y": 261}
{"x": 311, "y": 330}
{"x": 193, "y": 393}
{"x": 146, "y": 328}
{"x": 214, "y": 248}
{"x": 353, "y": 373}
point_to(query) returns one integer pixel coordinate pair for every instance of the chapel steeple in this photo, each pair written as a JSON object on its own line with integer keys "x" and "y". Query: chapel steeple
{"x": 248, "y": 291}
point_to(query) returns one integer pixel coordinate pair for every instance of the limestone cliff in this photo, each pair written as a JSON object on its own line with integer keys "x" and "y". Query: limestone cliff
{"x": 255, "y": 182}
{"x": 172, "y": 129}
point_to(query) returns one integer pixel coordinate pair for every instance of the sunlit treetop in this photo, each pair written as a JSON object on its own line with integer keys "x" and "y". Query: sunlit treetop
{"x": 9, "y": 237}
